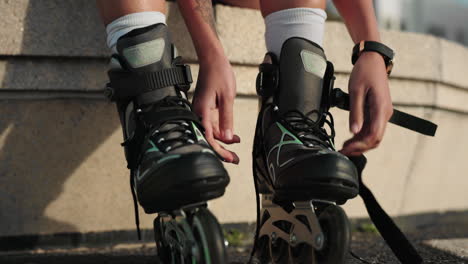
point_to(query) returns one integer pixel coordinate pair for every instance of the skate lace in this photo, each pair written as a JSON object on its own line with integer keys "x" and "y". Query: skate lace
{"x": 170, "y": 135}
{"x": 310, "y": 131}
{"x": 173, "y": 134}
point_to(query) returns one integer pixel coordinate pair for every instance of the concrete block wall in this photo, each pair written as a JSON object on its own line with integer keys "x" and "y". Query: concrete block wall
{"x": 62, "y": 168}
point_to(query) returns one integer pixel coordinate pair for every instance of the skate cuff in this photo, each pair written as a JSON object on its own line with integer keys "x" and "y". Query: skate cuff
{"x": 127, "y": 85}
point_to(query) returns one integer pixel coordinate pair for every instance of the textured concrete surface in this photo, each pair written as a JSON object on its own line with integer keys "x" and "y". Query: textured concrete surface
{"x": 366, "y": 245}
{"x": 418, "y": 56}
{"x": 63, "y": 169}
{"x": 455, "y": 246}
{"x": 32, "y": 34}
{"x": 19, "y": 73}
{"x": 79, "y": 33}
{"x": 51, "y": 28}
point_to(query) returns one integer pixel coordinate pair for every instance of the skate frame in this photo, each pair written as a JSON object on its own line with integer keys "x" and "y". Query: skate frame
{"x": 299, "y": 233}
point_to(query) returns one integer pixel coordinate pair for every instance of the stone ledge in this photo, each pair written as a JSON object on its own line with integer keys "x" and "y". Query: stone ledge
{"x": 72, "y": 153}
{"x": 89, "y": 75}
{"x": 418, "y": 56}
{"x": 81, "y": 34}
{"x": 17, "y": 73}
{"x": 51, "y": 28}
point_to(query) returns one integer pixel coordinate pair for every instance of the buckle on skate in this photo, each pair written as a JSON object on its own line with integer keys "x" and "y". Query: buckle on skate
{"x": 127, "y": 85}
{"x": 187, "y": 73}
{"x": 267, "y": 79}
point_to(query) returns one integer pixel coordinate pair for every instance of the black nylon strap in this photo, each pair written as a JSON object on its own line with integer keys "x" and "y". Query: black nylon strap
{"x": 124, "y": 85}
{"x": 396, "y": 240}
{"x": 341, "y": 100}
{"x": 413, "y": 123}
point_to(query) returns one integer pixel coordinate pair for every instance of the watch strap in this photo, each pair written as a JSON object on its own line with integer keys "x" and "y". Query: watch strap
{"x": 371, "y": 46}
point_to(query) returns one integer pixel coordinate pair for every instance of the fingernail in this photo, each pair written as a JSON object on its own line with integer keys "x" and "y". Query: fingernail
{"x": 355, "y": 128}
{"x": 228, "y": 134}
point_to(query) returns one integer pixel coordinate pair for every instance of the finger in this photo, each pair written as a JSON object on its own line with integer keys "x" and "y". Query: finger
{"x": 235, "y": 139}
{"x": 356, "y": 116}
{"x": 354, "y": 146}
{"x": 227, "y": 156}
{"x": 226, "y": 117}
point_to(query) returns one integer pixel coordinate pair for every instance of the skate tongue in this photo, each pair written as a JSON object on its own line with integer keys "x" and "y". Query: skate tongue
{"x": 146, "y": 50}
{"x": 302, "y": 70}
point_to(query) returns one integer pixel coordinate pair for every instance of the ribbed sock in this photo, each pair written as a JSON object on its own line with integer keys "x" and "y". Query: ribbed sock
{"x": 127, "y": 23}
{"x": 307, "y": 23}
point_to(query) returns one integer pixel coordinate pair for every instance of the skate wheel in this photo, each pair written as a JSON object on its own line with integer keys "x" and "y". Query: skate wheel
{"x": 158, "y": 237}
{"x": 302, "y": 254}
{"x": 337, "y": 234}
{"x": 209, "y": 237}
{"x": 262, "y": 250}
{"x": 169, "y": 241}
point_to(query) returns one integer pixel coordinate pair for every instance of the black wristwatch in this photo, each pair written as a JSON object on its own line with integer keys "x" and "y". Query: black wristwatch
{"x": 387, "y": 53}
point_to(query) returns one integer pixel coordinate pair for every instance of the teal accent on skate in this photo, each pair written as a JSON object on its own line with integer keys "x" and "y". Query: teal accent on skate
{"x": 198, "y": 133}
{"x": 282, "y": 142}
{"x": 153, "y": 149}
{"x": 169, "y": 157}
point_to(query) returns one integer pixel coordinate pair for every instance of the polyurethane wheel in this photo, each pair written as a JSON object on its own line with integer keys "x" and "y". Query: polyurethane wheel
{"x": 163, "y": 250}
{"x": 337, "y": 233}
{"x": 169, "y": 241}
{"x": 262, "y": 251}
{"x": 209, "y": 237}
{"x": 302, "y": 254}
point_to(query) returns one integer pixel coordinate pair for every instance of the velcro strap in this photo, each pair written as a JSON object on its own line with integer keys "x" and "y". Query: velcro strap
{"x": 396, "y": 240}
{"x": 167, "y": 114}
{"x": 340, "y": 99}
{"x": 124, "y": 85}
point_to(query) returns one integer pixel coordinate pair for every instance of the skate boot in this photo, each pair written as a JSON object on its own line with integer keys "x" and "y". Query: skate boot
{"x": 174, "y": 171}
{"x": 297, "y": 170}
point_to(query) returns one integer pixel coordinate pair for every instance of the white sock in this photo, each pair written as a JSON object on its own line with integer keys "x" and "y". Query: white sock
{"x": 127, "y": 23}
{"x": 307, "y": 23}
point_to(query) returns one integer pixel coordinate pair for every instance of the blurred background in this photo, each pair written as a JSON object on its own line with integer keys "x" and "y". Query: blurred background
{"x": 63, "y": 176}
{"x": 446, "y": 19}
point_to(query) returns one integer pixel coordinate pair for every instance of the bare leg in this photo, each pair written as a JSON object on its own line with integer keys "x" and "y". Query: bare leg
{"x": 113, "y": 9}
{"x": 270, "y": 6}
{"x": 253, "y": 4}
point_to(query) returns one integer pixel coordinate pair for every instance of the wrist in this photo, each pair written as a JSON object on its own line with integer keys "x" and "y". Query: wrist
{"x": 212, "y": 56}
{"x": 374, "y": 56}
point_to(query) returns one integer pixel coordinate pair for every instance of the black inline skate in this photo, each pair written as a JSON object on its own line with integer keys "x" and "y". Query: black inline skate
{"x": 298, "y": 172}
{"x": 174, "y": 171}
{"x": 296, "y": 168}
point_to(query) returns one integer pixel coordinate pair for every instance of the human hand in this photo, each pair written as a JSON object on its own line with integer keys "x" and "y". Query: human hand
{"x": 370, "y": 104}
{"x": 213, "y": 102}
